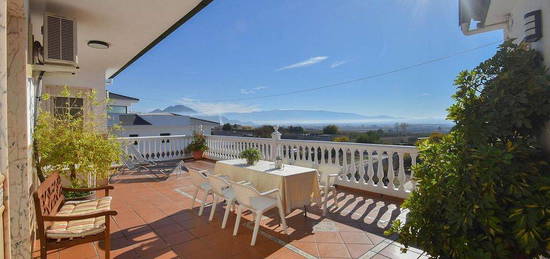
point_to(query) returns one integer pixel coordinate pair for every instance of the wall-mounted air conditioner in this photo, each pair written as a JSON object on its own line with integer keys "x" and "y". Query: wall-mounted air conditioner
{"x": 59, "y": 40}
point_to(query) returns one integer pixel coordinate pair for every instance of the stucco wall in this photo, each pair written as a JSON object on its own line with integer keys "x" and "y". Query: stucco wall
{"x": 517, "y": 30}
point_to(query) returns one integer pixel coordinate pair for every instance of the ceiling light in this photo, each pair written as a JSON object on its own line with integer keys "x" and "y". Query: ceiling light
{"x": 97, "y": 44}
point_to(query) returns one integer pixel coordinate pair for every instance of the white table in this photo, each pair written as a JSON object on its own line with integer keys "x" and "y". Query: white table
{"x": 298, "y": 185}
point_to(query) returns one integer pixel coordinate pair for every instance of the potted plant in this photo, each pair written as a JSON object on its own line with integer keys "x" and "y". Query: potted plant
{"x": 73, "y": 143}
{"x": 251, "y": 155}
{"x": 197, "y": 146}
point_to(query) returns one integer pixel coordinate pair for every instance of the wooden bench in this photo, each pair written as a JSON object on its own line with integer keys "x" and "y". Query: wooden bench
{"x": 64, "y": 222}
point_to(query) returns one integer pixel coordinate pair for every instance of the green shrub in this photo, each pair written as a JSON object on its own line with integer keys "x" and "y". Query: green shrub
{"x": 74, "y": 144}
{"x": 251, "y": 155}
{"x": 484, "y": 188}
{"x": 341, "y": 139}
{"x": 198, "y": 143}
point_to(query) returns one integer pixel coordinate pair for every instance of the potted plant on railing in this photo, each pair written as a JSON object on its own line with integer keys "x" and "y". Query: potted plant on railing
{"x": 197, "y": 146}
{"x": 251, "y": 155}
{"x": 72, "y": 141}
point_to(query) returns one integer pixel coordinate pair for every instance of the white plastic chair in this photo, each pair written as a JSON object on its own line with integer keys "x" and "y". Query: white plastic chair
{"x": 327, "y": 178}
{"x": 200, "y": 181}
{"x": 221, "y": 189}
{"x": 250, "y": 198}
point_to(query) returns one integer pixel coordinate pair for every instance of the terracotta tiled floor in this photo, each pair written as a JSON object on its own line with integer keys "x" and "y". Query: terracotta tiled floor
{"x": 155, "y": 220}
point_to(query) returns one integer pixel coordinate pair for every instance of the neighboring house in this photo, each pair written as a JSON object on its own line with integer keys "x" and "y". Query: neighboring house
{"x": 46, "y": 45}
{"x": 118, "y": 104}
{"x": 522, "y": 20}
{"x": 162, "y": 124}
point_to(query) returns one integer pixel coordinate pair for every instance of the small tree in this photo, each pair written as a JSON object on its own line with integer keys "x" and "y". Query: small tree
{"x": 370, "y": 136}
{"x": 484, "y": 189}
{"x": 263, "y": 131}
{"x": 73, "y": 144}
{"x": 330, "y": 129}
{"x": 227, "y": 127}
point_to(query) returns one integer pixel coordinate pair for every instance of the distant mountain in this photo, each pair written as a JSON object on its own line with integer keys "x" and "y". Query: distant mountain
{"x": 177, "y": 109}
{"x": 301, "y": 116}
{"x": 281, "y": 117}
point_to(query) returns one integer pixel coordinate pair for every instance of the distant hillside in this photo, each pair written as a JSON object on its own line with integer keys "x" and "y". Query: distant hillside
{"x": 300, "y": 116}
{"x": 177, "y": 109}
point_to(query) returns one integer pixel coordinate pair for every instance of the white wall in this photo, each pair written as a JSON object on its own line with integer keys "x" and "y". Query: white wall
{"x": 148, "y": 130}
{"x": 517, "y": 10}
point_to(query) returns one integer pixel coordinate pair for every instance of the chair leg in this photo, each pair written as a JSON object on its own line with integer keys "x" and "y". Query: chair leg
{"x": 256, "y": 227}
{"x": 213, "y": 209}
{"x": 238, "y": 221}
{"x": 282, "y": 215}
{"x": 335, "y": 198}
{"x": 195, "y": 198}
{"x": 107, "y": 240}
{"x": 226, "y": 214}
{"x": 324, "y": 203}
{"x": 201, "y": 209}
{"x": 43, "y": 251}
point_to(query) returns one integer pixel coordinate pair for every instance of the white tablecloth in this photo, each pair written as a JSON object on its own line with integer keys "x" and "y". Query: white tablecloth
{"x": 298, "y": 185}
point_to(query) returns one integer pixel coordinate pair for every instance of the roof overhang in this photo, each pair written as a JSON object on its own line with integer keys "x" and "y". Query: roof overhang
{"x": 131, "y": 27}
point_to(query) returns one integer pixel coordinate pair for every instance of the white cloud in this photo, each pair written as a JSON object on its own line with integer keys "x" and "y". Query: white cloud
{"x": 307, "y": 62}
{"x": 213, "y": 108}
{"x": 338, "y": 63}
{"x": 252, "y": 90}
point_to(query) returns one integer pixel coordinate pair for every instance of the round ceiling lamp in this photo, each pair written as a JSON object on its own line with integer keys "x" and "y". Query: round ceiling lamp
{"x": 97, "y": 44}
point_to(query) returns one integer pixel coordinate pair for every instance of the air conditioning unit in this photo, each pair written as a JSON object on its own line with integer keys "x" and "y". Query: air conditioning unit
{"x": 59, "y": 40}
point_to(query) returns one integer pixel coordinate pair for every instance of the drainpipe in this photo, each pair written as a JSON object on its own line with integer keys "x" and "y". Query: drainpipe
{"x": 481, "y": 28}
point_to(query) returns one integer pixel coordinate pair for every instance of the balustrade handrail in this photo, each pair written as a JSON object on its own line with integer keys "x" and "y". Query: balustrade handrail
{"x": 385, "y": 169}
{"x": 153, "y": 137}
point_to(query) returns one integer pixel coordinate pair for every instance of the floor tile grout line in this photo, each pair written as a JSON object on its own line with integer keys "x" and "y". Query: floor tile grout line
{"x": 265, "y": 234}
{"x": 376, "y": 249}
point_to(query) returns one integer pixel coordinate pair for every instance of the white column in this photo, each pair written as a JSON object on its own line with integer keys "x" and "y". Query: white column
{"x": 21, "y": 210}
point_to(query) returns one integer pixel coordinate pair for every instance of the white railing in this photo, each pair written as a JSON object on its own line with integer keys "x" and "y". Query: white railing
{"x": 160, "y": 148}
{"x": 225, "y": 147}
{"x": 384, "y": 169}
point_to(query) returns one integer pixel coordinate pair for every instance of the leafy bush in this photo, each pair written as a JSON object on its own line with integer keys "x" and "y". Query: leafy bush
{"x": 74, "y": 144}
{"x": 484, "y": 188}
{"x": 198, "y": 143}
{"x": 341, "y": 139}
{"x": 330, "y": 129}
{"x": 251, "y": 155}
{"x": 370, "y": 136}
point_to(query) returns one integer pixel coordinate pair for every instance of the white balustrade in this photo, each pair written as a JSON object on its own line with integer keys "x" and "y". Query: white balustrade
{"x": 160, "y": 148}
{"x": 384, "y": 169}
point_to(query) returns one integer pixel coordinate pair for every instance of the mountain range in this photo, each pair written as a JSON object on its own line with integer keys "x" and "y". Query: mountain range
{"x": 281, "y": 117}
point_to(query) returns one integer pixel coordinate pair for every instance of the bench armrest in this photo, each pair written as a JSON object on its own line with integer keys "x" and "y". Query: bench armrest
{"x": 106, "y": 188}
{"x": 82, "y": 216}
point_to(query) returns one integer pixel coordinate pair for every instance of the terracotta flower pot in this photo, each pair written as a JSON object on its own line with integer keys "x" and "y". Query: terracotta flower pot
{"x": 197, "y": 154}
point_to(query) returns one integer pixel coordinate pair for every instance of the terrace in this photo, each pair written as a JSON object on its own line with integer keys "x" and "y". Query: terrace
{"x": 157, "y": 220}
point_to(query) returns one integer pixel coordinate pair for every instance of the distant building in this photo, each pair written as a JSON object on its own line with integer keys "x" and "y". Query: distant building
{"x": 118, "y": 104}
{"x": 162, "y": 124}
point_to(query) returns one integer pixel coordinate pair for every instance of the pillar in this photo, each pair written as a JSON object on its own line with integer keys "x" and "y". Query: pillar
{"x": 19, "y": 139}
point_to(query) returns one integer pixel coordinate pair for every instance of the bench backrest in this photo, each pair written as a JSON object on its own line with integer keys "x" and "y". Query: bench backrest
{"x": 49, "y": 196}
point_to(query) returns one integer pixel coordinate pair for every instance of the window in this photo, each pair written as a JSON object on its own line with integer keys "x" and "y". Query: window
{"x": 117, "y": 109}
{"x": 71, "y": 105}
{"x": 165, "y": 134}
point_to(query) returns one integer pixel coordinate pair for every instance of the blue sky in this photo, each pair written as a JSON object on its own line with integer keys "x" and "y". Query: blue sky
{"x": 248, "y": 48}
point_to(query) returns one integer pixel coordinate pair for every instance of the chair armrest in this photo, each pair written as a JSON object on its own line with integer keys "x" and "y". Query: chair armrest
{"x": 276, "y": 190}
{"x": 106, "y": 188}
{"x": 82, "y": 216}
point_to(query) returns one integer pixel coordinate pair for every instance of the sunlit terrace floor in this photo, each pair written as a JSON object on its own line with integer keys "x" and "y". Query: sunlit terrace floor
{"x": 156, "y": 220}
